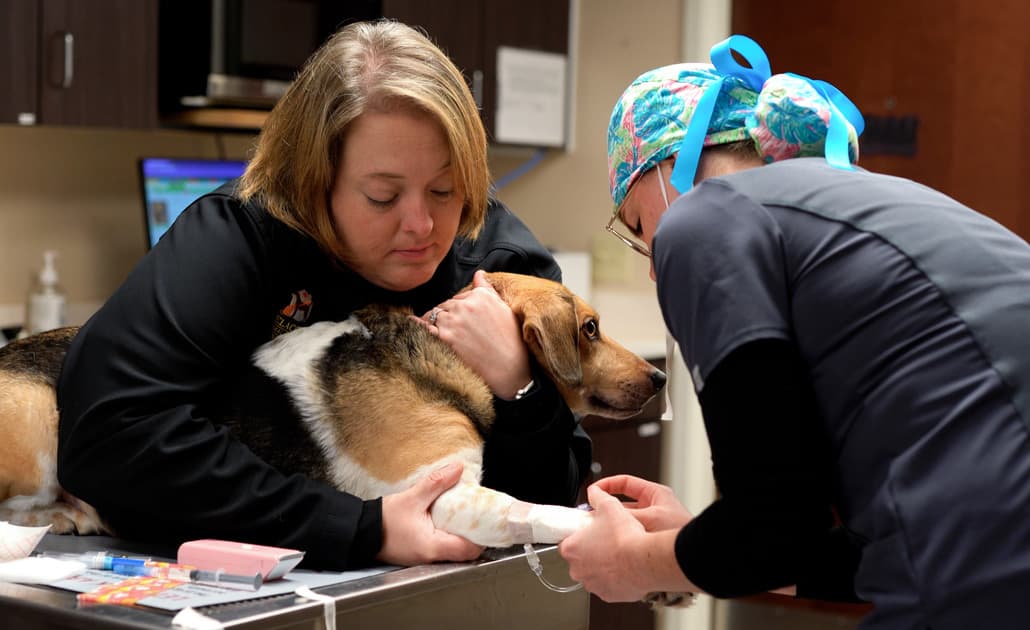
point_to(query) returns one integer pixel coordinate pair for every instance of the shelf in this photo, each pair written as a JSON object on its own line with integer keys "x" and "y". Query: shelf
{"x": 218, "y": 118}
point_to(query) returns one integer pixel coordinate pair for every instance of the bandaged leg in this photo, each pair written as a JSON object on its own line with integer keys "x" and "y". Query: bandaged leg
{"x": 494, "y": 519}
{"x": 546, "y": 523}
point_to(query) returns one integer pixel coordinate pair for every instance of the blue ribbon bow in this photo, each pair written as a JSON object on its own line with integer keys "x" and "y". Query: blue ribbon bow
{"x": 842, "y": 110}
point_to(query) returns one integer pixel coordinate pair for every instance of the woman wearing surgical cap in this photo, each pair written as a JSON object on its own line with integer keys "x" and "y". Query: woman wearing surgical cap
{"x": 859, "y": 344}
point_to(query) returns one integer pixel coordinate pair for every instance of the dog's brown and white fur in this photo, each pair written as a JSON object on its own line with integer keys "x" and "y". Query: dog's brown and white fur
{"x": 381, "y": 403}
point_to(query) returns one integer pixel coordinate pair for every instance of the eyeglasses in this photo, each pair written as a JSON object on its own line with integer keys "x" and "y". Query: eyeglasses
{"x": 634, "y": 241}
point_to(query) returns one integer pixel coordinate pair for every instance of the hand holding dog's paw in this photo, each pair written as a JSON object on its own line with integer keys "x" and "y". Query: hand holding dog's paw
{"x": 654, "y": 505}
{"x": 409, "y": 536}
{"x": 598, "y": 555}
{"x": 617, "y": 559}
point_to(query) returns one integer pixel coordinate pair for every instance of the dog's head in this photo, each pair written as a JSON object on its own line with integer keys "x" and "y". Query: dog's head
{"x": 594, "y": 374}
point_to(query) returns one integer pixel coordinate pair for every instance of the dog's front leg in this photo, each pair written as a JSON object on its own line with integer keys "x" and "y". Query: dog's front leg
{"x": 495, "y": 519}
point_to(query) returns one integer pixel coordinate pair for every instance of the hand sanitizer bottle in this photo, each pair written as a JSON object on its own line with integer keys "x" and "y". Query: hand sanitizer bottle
{"x": 46, "y": 307}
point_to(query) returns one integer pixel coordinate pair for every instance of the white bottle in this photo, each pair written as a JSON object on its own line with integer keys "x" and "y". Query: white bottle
{"x": 46, "y": 307}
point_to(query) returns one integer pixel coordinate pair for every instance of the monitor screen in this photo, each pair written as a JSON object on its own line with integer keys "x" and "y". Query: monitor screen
{"x": 171, "y": 184}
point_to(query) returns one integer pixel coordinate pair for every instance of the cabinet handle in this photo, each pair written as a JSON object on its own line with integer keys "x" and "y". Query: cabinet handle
{"x": 477, "y": 88}
{"x": 69, "y": 61}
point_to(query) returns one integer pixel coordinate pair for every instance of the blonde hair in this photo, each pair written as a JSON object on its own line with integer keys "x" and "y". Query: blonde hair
{"x": 366, "y": 66}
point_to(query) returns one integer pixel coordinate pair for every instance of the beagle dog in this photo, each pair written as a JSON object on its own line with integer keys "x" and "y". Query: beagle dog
{"x": 381, "y": 403}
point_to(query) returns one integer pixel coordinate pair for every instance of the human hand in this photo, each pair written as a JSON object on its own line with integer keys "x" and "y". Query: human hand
{"x": 603, "y": 556}
{"x": 409, "y": 536}
{"x": 655, "y": 506}
{"x": 480, "y": 327}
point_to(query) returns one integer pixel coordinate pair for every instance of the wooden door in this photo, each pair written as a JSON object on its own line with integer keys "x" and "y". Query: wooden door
{"x": 958, "y": 66}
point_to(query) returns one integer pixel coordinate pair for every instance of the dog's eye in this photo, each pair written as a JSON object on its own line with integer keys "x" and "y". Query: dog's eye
{"x": 590, "y": 329}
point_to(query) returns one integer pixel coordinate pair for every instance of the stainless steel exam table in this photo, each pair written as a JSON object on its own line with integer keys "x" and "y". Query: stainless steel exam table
{"x": 498, "y": 592}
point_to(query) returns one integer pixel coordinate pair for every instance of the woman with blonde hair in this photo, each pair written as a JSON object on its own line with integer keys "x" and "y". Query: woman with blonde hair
{"x": 368, "y": 184}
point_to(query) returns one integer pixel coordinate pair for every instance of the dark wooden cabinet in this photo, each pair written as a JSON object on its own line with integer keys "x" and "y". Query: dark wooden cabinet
{"x": 69, "y": 62}
{"x": 95, "y": 62}
{"x": 471, "y": 33}
{"x": 634, "y": 447}
{"x": 19, "y": 61}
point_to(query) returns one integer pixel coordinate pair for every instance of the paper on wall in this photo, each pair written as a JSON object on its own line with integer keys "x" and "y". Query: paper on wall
{"x": 530, "y": 97}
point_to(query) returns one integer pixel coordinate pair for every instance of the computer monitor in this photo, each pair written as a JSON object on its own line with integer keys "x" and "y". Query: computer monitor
{"x": 171, "y": 184}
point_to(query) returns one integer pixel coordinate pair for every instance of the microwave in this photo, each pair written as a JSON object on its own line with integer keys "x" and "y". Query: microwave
{"x": 242, "y": 53}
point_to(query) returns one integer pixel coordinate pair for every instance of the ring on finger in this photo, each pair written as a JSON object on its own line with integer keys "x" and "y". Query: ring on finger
{"x": 432, "y": 316}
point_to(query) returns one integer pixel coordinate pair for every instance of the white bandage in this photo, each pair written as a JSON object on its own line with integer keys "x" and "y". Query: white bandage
{"x": 494, "y": 519}
{"x": 554, "y": 523}
{"x": 518, "y": 522}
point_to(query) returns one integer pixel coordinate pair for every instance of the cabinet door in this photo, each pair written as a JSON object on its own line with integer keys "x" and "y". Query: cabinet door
{"x": 632, "y": 447}
{"x": 471, "y": 32}
{"x": 454, "y": 25}
{"x": 19, "y": 58}
{"x": 98, "y": 63}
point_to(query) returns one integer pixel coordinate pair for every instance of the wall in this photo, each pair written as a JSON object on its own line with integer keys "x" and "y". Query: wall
{"x": 76, "y": 190}
{"x": 566, "y": 196}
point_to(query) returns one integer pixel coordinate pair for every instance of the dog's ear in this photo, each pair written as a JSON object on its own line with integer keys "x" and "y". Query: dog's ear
{"x": 546, "y": 311}
{"x": 550, "y": 328}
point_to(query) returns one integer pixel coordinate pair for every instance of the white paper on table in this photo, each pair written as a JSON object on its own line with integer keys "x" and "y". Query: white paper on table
{"x": 199, "y": 594}
{"x": 39, "y": 570}
{"x": 19, "y": 542}
{"x": 530, "y": 97}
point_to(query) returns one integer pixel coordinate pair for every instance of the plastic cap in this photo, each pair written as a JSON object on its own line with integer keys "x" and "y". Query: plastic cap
{"x": 48, "y": 276}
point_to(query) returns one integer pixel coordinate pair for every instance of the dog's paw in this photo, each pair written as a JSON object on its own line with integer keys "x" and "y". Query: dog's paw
{"x": 62, "y": 519}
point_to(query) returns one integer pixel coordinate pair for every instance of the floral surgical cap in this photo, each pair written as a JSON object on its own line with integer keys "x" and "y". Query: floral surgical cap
{"x": 785, "y": 115}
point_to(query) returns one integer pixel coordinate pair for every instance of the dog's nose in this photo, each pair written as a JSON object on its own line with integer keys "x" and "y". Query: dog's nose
{"x": 658, "y": 378}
